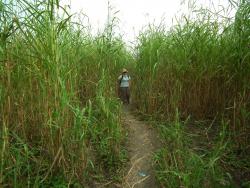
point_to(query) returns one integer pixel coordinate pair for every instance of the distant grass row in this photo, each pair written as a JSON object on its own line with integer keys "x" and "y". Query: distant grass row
{"x": 202, "y": 68}
{"x": 60, "y": 119}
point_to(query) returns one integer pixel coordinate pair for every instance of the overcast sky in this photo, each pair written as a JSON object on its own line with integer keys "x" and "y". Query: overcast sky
{"x": 135, "y": 14}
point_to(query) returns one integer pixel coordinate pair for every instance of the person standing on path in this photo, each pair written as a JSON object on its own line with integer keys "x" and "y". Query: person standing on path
{"x": 124, "y": 84}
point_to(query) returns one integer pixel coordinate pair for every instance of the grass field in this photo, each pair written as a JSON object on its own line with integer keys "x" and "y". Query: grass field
{"x": 198, "y": 72}
{"x": 61, "y": 119}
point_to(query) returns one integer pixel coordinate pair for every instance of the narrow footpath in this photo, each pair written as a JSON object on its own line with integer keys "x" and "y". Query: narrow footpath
{"x": 143, "y": 140}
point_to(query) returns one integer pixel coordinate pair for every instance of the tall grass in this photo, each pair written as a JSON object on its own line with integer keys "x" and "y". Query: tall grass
{"x": 59, "y": 114}
{"x": 200, "y": 67}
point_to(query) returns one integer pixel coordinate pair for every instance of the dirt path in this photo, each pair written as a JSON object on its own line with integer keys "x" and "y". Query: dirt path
{"x": 142, "y": 142}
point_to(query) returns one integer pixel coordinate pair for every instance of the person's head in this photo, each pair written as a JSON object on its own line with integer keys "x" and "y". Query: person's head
{"x": 124, "y": 71}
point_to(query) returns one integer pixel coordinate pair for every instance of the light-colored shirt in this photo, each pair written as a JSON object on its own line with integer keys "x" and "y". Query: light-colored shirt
{"x": 125, "y": 80}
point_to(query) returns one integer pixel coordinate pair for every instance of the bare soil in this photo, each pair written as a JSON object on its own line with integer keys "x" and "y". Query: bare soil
{"x": 143, "y": 141}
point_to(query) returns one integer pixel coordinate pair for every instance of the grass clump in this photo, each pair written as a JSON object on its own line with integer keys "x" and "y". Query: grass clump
{"x": 180, "y": 165}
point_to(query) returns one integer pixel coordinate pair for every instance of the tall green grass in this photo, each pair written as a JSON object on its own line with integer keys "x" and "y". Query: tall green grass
{"x": 60, "y": 119}
{"x": 60, "y": 115}
{"x": 200, "y": 67}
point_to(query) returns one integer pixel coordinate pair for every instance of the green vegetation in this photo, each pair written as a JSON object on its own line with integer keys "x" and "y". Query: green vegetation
{"x": 202, "y": 68}
{"x": 60, "y": 118}
{"x": 187, "y": 164}
{"x": 59, "y": 113}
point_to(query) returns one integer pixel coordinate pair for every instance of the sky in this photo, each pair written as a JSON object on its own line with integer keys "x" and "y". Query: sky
{"x": 134, "y": 15}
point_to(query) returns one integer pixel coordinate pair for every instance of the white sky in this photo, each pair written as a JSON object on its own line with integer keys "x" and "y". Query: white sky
{"x": 135, "y": 14}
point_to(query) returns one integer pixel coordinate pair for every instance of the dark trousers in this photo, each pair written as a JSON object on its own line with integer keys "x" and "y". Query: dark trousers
{"x": 124, "y": 94}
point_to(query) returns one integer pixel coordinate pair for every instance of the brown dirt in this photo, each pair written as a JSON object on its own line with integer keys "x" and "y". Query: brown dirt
{"x": 142, "y": 142}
